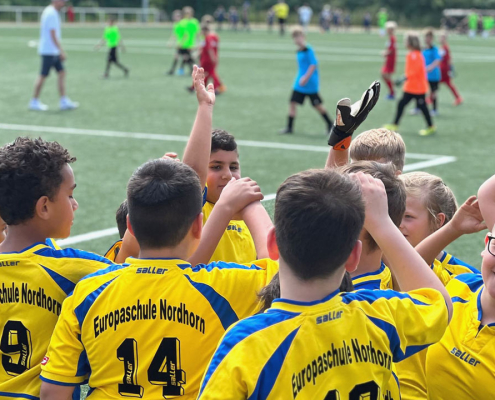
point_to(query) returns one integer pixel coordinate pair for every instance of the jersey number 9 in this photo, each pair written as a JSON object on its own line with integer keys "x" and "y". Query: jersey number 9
{"x": 15, "y": 343}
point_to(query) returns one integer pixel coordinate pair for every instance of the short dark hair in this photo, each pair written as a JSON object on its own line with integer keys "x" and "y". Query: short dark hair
{"x": 121, "y": 218}
{"x": 222, "y": 140}
{"x": 163, "y": 197}
{"x": 319, "y": 215}
{"x": 396, "y": 190}
{"x": 29, "y": 169}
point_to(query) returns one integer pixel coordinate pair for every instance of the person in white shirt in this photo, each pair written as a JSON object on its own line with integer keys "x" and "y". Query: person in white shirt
{"x": 305, "y": 13}
{"x": 52, "y": 56}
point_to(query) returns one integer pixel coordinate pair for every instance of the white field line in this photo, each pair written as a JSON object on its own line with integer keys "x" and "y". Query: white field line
{"x": 429, "y": 159}
{"x": 179, "y": 138}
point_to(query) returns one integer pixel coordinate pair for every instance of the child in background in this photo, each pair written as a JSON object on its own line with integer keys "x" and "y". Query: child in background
{"x": 447, "y": 69}
{"x": 306, "y": 84}
{"x": 390, "y": 55}
{"x": 234, "y": 18}
{"x": 191, "y": 29}
{"x": 121, "y": 219}
{"x": 270, "y": 18}
{"x": 415, "y": 86}
{"x": 3, "y": 230}
{"x": 176, "y": 39}
{"x": 382, "y": 18}
{"x": 113, "y": 39}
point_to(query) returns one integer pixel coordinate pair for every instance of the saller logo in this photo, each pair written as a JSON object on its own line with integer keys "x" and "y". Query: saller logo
{"x": 45, "y": 360}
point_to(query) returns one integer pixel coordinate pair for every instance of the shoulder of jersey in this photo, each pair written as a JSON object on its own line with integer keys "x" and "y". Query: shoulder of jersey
{"x": 54, "y": 252}
{"x": 465, "y": 285}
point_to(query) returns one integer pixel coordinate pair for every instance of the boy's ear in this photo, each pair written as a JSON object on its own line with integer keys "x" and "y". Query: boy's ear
{"x": 197, "y": 226}
{"x": 129, "y": 226}
{"x": 272, "y": 244}
{"x": 42, "y": 207}
{"x": 353, "y": 260}
{"x": 440, "y": 220}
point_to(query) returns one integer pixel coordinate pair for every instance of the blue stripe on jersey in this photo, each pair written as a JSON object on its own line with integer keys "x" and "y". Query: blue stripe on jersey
{"x": 371, "y": 296}
{"x": 456, "y": 261}
{"x": 220, "y": 304}
{"x": 66, "y": 285}
{"x": 83, "y": 367}
{"x": 71, "y": 253}
{"x": 397, "y": 380}
{"x": 111, "y": 268}
{"x": 91, "y": 390}
{"x": 478, "y": 304}
{"x": 458, "y": 299}
{"x": 76, "y": 394}
{"x": 308, "y": 303}
{"x": 378, "y": 271}
{"x": 239, "y": 332}
{"x": 411, "y": 350}
{"x": 19, "y": 395}
{"x": 50, "y": 242}
{"x": 223, "y": 265}
{"x": 82, "y": 309}
{"x": 369, "y": 285}
{"x": 57, "y": 382}
{"x": 393, "y": 337}
{"x": 271, "y": 370}
{"x": 473, "y": 281}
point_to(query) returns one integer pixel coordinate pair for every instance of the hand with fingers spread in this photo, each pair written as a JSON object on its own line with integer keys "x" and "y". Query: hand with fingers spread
{"x": 468, "y": 218}
{"x": 205, "y": 94}
{"x": 239, "y": 193}
{"x": 375, "y": 200}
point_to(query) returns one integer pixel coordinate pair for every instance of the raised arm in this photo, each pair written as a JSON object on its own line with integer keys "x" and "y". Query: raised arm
{"x": 410, "y": 270}
{"x": 198, "y": 148}
{"x": 259, "y": 223}
{"x": 467, "y": 219}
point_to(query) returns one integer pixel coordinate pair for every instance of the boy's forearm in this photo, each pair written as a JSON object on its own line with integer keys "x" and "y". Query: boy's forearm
{"x": 337, "y": 158}
{"x": 410, "y": 270}
{"x": 50, "y": 391}
{"x": 198, "y": 148}
{"x": 130, "y": 248}
{"x": 259, "y": 223}
{"x": 486, "y": 200}
{"x": 211, "y": 235}
{"x": 430, "y": 247}
{"x": 310, "y": 72}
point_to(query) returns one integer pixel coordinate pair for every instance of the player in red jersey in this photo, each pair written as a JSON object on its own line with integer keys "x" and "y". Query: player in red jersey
{"x": 390, "y": 55}
{"x": 446, "y": 69}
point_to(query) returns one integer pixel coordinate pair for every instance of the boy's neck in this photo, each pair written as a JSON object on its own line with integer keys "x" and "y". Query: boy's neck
{"x": 181, "y": 252}
{"x": 293, "y": 288}
{"x": 20, "y": 237}
{"x": 488, "y": 307}
{"x": 370, "y": 261}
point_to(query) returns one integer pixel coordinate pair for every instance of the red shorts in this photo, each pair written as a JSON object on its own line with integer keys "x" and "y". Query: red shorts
{"x": 389, "y": 67}
{"x": 445, "y": 77}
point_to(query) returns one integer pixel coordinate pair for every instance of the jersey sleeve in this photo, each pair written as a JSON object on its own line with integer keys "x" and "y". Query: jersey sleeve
{"x": 412, "y": 321}
{"x": 312, "y": 57}
{"x": 51, "y": 21}
{"x": 65, "y": 363}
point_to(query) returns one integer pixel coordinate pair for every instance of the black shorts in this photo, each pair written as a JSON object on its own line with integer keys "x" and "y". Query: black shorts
{"x": 112, "y": 54}
{"x": 185, "y": 52}
{"x": 281, "y": 21}
{"x": 298, "y": 97}
{"x": 433, "y": 85}
{"x": 47, "y": 62}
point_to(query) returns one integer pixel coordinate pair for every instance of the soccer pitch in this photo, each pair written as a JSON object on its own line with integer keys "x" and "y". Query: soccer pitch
{"x": 121, "y": 123}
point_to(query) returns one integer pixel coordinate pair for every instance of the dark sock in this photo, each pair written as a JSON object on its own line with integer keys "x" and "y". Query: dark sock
{"x": 435, "y": 104}
{"x": 290, "y": 123}
{"x": 327, "y": 120}
{"x": 174, "y": 65}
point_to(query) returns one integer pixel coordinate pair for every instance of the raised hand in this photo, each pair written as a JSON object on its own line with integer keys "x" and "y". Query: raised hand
{"x": 468, "y": 218}
{"x": 205, "y": 95}
{"x": 240, "y": 193}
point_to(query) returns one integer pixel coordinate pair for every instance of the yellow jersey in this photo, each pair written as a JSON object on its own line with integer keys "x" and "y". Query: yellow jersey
{"x": 281, "y": 10}
{"x": 163, "y": 312}
{"x": 378, "y": 280}
{"x": 236, "y": 244}
{"x": 342, "y": 347}
{"x": 113, "y": 251}
{"x": 461, "y": 366}
{"x": 33, "y": 285}
{"x": 412, "y": 371}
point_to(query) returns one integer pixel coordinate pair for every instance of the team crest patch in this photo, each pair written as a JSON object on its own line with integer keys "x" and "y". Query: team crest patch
{"x": 45, "y": 360}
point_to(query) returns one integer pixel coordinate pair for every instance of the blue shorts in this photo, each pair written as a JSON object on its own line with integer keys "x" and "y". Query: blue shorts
{"x": 47, "y": 62}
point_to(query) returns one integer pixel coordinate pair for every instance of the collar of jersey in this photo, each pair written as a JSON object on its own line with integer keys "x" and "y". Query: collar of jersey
{"x": 169, "y": 262}
{"x": 30, "y": 249}
{"x": 377, "y": 272}
{"x": 299, "y": 306}
{"x": 478, "y": 310}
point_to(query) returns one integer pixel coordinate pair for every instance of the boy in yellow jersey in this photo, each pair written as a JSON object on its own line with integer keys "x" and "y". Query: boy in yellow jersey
{"x": 461, "y": 365}
{"x": 113, "y": 40}
{"x": 37, "y": 203}
{"x": 371, "y": 272}
{"x": 158, "y": 309}
{"x": 121, "y": 219}
{"x": 354, "y": 337}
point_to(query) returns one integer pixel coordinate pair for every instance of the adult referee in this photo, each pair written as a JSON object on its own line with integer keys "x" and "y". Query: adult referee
{"x": 52, "y": 56}
{"x": 281, "y": 10}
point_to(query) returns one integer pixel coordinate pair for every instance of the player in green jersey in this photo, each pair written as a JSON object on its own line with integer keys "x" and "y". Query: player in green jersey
{"x": 113, "y": 39}
{"x": 382, "y": 18}
{"x": 176, "y": 39}
{"x": 191, "y": 30}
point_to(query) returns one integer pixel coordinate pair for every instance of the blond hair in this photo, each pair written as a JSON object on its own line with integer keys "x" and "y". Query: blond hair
{"x": 297, "y": 31}
{"x": 391, "y": 25}
{"x": 436, "y": 195}
{"x": 379, "y": 145}
{"x": 412, "y": 40}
